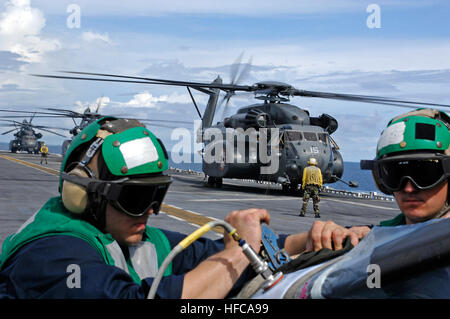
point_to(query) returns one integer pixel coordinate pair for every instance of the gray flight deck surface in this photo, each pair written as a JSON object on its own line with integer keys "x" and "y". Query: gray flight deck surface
{"x": 25, "y": 186}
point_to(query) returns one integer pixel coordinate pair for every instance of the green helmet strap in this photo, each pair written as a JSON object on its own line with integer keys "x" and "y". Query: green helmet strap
{"x": 92, "y": 151}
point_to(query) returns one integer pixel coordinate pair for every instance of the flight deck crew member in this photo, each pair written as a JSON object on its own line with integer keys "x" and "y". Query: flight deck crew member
{"x": 312, "y": 183}
{"x": 93, "y": 240}
{"x": 44, "y": 151}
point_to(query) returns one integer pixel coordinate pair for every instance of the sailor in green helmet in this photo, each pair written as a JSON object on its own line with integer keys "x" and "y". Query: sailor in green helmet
{"x": 412, "y": 163}
{"x": 93, "y": 241}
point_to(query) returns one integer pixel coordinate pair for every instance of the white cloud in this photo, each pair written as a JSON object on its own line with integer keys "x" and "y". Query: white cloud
{"x": 20, "y": 28}
{"x": 146, "y": 99}
{"x": 90, "y": 36}
{"x": 99, "y": 103}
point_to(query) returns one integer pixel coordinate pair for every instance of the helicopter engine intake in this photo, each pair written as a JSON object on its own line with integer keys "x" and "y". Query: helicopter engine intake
{"x": 254, "y": 118}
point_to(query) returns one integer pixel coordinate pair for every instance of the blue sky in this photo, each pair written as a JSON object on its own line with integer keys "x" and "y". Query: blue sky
{"x": 322, "y": 45}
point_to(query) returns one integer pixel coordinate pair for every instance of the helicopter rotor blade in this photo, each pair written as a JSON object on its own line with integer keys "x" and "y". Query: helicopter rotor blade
{"x": 162, "y": 125}
{"x": 58, "y": 112}
{"x": 362, "y": 98}
{"x": 238, "y": 72}
{"x": 99, "y": 104}
{"x": 46, "y": 130}
{"x": 143, "y": 80}
{"x": 66, "y": 112}
{"x": 12, "y": 121}
{"x": 37, "y": 116}
{"x": 166, "y": 121}
{"x": 49, "y": 127}
{"x": 32, "y": 117}
{"x": 16, "y": 111}
{"x": 32, "y": 125}
{"x": 244, "y": 72}
{"x": 234, "y": 68}
{"x": 14, "y": 129}
{"x": 234, "y": 87}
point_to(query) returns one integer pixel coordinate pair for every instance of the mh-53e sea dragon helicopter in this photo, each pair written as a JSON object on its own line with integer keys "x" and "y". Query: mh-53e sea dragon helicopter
{"x": 85, "y": 118}
{"x": 26, "y": 138}
{"x": 271, "y": 140}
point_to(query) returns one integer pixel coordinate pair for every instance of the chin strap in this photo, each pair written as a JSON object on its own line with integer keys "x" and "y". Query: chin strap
{"x": 445, "y": 209}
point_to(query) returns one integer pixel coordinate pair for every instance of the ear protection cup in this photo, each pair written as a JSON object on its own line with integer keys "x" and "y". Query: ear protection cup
{"x": 74, "y": 197}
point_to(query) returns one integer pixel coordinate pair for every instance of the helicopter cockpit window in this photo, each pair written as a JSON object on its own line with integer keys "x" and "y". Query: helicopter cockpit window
{"x": 322, "y": 137}
{"x": 293, "y": 136}
{"x": 310, "y": 136}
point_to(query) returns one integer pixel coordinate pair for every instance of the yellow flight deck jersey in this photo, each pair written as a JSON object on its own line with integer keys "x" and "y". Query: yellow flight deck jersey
{"x": 44, "y": 149}
{"x": 312, "y": 175}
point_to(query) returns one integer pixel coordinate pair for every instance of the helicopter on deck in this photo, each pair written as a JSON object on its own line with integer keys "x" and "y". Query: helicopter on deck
{"x": 268, "y": 141}
{"x": 26, "y": 138}
{"x": 85, "y": 118}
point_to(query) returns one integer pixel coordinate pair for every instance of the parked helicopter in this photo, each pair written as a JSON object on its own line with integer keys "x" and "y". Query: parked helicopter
{"x": 26, "y": 139}
{"x": 290, "y": 135}
{"x": 86, "y": 118}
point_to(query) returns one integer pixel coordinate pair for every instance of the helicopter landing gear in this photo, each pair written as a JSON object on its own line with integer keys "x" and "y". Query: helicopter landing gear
{"x": 215, "y": 181}
{"x": 292, "y": 189}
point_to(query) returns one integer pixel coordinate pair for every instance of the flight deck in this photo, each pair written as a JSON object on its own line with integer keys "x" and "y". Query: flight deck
{"x": 26, "y": 185}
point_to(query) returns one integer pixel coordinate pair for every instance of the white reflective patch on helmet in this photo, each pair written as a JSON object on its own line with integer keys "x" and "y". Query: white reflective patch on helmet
{"x": 138, "y": 152}
{"x": 393, "y": 134}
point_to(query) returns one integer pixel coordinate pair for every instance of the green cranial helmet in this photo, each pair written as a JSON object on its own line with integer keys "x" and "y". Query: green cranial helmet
{"x": 128, "y": 172}
{"x": 130, "y": 149}
{"x": 414, "y": 147}
{"x": 422, "y": 130}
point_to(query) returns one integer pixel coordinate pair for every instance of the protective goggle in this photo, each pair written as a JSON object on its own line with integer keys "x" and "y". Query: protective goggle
{"x": 424, "y": 171}
{"x": 134, "y": 197}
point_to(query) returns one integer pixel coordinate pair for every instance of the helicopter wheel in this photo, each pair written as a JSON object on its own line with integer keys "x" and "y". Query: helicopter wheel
{"x": 219, "y": 182}
{"x": 292, "y": 189}
{"x": 215, "y": 181}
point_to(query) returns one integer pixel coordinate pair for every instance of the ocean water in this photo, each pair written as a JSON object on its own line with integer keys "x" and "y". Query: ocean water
{"x": 352, "y": 172}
